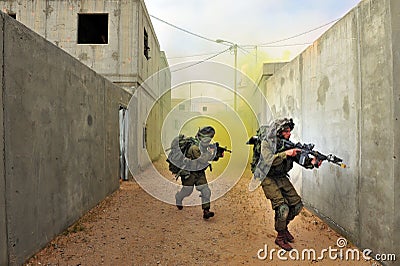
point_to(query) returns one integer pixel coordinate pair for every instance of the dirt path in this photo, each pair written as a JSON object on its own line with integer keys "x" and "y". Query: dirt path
{"x": 132, "y": 228}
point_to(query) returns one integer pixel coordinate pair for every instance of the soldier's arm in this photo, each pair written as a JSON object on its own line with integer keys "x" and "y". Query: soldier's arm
{"x": 198, "y": 160}
{"x": 268, "y": 154}
{"x": 201, "y": 157}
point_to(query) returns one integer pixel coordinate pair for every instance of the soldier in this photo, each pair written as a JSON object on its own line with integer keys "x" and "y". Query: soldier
{"x": 198, "y": 157}
{"x": 274, "y": 164}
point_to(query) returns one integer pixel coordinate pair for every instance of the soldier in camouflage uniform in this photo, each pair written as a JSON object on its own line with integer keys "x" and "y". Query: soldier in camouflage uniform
{"x": 274, "y": 164}
{"x": 197, "y": 158}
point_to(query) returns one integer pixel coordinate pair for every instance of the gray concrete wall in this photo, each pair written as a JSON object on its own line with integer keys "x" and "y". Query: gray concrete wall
{"x": 61, "y": 145}
{"x": 395, "y": 25}
{"x": 3, "y": 218}
{"x": 376, "y": 213}
{"x": 57, "y": 21}
{"x": 121, "y": 60}
{"x": 343, "y": 93}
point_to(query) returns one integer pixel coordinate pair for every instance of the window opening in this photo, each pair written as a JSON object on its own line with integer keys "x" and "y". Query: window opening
{"x": 93, "y": 28}
{"x": 123, "y": 143}
{"x": 146, "y": 45}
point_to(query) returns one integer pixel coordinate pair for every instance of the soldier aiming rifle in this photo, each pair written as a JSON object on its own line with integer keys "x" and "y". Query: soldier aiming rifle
{"x": 273, "y": 158}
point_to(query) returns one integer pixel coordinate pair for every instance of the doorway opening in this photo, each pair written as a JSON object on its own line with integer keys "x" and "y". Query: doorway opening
{"x": 123, "y": 144}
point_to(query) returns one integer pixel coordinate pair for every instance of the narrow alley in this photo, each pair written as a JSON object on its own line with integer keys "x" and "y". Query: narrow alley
{"x": 132, "y": 228}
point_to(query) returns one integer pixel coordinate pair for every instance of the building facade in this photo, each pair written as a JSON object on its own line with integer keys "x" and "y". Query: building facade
{"x": 117, "y": 40}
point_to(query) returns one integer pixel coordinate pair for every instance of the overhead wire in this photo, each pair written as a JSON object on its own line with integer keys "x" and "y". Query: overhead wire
{"x": 300, "y": 34}
{"x": 285, "y": 45}
{"x": 197, "y": 35}
{"x": 182, "y": 29}
{"x": 241, "y": 47}
{"x": 202, "y": 61}
{"x": 195, "y": 55}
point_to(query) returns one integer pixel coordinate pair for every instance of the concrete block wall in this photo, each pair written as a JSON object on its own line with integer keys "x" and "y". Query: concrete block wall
{"x": 343, "y": 93}
{"x": 3, "y": 217}
{"x": 121, "y": 59}
{"x": 60, "y": 131}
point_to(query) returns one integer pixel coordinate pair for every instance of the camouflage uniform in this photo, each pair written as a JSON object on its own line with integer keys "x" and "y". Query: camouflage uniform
{"x": 273, "y": 168}
{"x": 277, "y": 186}
{"x": 195, "y": 178}
{"x": 198, "y": 157}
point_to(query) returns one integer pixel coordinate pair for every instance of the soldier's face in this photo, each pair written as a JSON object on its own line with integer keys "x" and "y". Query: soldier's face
{"x": 286, "y": 133}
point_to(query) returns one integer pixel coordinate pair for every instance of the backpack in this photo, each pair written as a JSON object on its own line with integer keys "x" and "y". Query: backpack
{"x": 178, "y": 151}
{"x": 256, "y": 142}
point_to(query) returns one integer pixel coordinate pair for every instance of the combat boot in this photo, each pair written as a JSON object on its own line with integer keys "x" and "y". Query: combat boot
{"x": 288, "y": 236}
{"x": 207, "y": 214}
{"x": 281, "y": 241}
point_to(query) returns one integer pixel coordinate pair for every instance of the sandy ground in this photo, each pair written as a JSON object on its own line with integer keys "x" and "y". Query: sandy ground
{"x": 130, "y": 227}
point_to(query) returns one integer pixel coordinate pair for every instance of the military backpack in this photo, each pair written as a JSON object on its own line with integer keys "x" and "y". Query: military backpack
{"x": 256, "y": 142}
{"x": 178, "y": 151}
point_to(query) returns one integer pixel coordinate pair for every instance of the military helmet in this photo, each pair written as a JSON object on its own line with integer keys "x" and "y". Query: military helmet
{"x": 280, "y": 124}
{"x": 206, "y": 133}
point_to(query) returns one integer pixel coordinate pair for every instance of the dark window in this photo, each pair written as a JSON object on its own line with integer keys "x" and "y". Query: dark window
{"x": 13, "y": 15}
{"x": 204, "y": 108}
{"x": 146, "y": 45}
{"x": 92, "y": 28}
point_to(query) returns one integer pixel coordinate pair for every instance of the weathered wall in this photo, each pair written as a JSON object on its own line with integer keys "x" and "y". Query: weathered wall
{"x": 330, "y": 119}
{"x": 3, "y": 218}
{"x": 376, "y": 213}
{"x": 343, "y": 93}
{"x": 121, "y": 60}
{"x": 395, "y": 25}
{"x": 61, "y": 144}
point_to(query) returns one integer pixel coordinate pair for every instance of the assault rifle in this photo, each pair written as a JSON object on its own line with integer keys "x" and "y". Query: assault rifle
{"x": 220, "y": 151}
{"x": 308, "y": 149}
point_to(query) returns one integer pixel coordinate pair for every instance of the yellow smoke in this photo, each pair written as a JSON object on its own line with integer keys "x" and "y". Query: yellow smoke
{"x": 252, "y": 63}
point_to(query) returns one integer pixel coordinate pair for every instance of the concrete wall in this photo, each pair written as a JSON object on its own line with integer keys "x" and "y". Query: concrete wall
{"x": 61, "y": 145}
{"x": 379, "y": 99}
{"x": 3, "y": 217}
{"x": 343, "y": 93}
{"x": 121, "y": 60}
{"x": 395, "y": 25}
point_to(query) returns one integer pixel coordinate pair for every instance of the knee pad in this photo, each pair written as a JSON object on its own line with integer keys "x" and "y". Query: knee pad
{"x": 295, "y": 210}
{"x": 282, "y": 212}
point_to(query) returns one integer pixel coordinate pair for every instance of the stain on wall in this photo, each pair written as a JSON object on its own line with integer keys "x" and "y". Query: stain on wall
{"x": 323, "y": 89}
{"x": 346, "y": 108}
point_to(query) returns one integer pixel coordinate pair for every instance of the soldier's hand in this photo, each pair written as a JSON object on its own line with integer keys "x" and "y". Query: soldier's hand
{"x": 211, "y": 149}
{"x": 315, "y": 163}
{"x": 292, "y": 152}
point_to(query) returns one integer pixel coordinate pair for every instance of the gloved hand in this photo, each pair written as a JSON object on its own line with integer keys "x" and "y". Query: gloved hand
{"x": 292, "y": 152}
{"x": 314, "y": 162}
